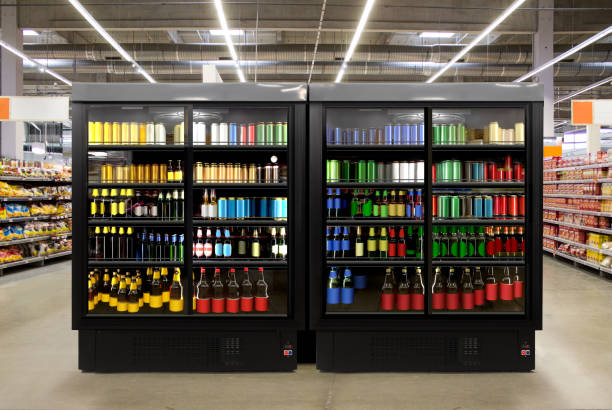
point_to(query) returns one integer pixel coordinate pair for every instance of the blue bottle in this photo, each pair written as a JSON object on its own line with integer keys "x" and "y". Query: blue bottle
{"x": 218, "y": 244}
{"x": 333, "y": 287}
{"x": 227, "y": 245}
{"x": 348, "y": 291}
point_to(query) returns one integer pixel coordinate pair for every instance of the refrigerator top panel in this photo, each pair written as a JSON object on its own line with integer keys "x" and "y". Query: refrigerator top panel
{"x": 389, "y": 92}
{"x": 196, "y": 92}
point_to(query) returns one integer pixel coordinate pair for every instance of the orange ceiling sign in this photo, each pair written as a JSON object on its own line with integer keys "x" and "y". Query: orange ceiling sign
{"x": 4, "y": 108}
{"x": 591, "y": 112}
{"x": 582, "y": 112}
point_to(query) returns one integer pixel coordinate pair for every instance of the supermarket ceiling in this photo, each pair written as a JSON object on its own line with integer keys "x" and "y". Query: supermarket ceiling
{"x": 275, "y": 41}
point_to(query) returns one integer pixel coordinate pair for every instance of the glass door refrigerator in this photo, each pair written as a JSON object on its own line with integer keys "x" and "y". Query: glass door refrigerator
{"x": 425, "y": 226}
{"x": 188, "y": 203}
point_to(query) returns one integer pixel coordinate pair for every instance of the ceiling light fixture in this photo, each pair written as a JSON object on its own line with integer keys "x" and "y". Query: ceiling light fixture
{"x": 110, "y": 40}
{"x": 562, "y": 56}
{"x": 36, "y": 64}
{"x": 222, "y": 33}
{"x": 362, "y": 22}
{"x": 28, "y": 32}
{"x": 587, "y": 88}
{"x": 228, "y": 38}
{"x": 436, "y": 34}
{"x": 483, "y": 34}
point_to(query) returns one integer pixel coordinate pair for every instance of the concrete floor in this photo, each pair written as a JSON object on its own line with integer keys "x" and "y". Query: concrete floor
{"x": 38, "y": 356}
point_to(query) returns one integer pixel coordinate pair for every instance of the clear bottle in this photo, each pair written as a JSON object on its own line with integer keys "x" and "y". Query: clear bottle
{"x": 505, "y": 286}
{"x": 261, "y": 292}
{"x": 417, "y": 291}
{"x": 273, "y": 244}
{"x": 359, "y": 245}
{"x": 347, "y": 294}
{"x": 387, "y": 297}
{"x": 255, "y": 245}
{"x": 438, "y": 291}
{"x": 218, "y": 293}
{"x": 246, "y": 292}
{"x": 233, "y": 293}
{"x": 203, "y": 293}
{"x": 282, "y": 243}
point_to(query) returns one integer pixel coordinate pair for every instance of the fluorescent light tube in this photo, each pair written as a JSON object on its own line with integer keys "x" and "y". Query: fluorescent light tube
{"x": 436, "y": 34}
{"x": 28, "y": 32}
{"x": 109, "y": 39}
{"x": 478, "y": 39}
{"x": 362, "y": 22}
{"x": 36, "y": 64}
{"x": 228, "y": 38}
{"x": 587, "y": 88}
{"x": 562, "y": 56}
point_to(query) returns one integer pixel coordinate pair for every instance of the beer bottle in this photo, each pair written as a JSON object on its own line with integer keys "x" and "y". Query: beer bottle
{"x": 376, "y": 205}
{"x": 94, "y": 204}
{"x": 255, "y": 245}
{"x": 167, "y": 207}
{"x": 282, "y": 244}
{"x": 204, "y": 205}
{"x": 452, "y": 291}
{"x": 218, "y": 293}
{"x": 505, "y": 285}
{"x": 212, "y": 205}
{"x": 367, "y": 204}
{"x": 121, "y": 203}
{"x": 203, "y": 293}
{"x": 393, "y": 205}
{"x": 90, "y": 296}
{"x": 129, "y": 243}
{"x": 105, "y": 209}
{"x": 165, "y": 282}
{"x": 178, "y": 171}
{"x": 491, "y": 286}
{"x": 246, "y": 292}
{"x": 218, "y": 244}
{"x": 176, "y": 206}
{"x": 233, "y": 295}
{"x": 467, "y": 290}
{"x": 273, "y": 244}
{"x": 419, "y": 243}
{"x": 401, "y": 244}
{"x": 242, "y": 245}
{"x": 156, "y": 298}
{"x": 114, "y": 203}
{"x": 354, "y": 209}
{"x": 139, "y": 284}
{"x": 333, "y": 287}
{"x": 400, "y": 206}
{"x": 105, "y": 287}
{"x": 438, "y": 291}
{"x": 337, "y": 204}
{"x": 403, "y": 291}
{"x": 479, "y": 288}
{"x": 383, "y": 243}
{"x": 372, "y": 243}
{"x": 122, "y": 301}
{"x": 387, "y": 297}
{"x": 132, "y": 298}
{"x": 227, "y": 244}
{"x": 129, "y": 206}
{"x": 417, "y": 291}
{"x": 347, "y": 294}
{"x": 170, "y": 170}
{"x": 198, "y": 244}
{"x": 359, "y": 251}
{"x": 411, "y": 242}
{"x": 336, "y": 243}
{"x": 329, "y": 243}
{"x": 384, "y": 205}
{"x": 195, "y": 288}
{"x": 261, "y": 292}
{"x": 392, "y": 247}
{"x": 114, "y": 290}
{"x": 175, "y": 293}
{"x": 98, "y": 251}
{"x": 517, "y": 284}
{"x": 208, "y": 245}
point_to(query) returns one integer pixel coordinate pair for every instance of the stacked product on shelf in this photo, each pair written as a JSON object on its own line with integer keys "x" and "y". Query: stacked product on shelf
{"x": 578, "y": 209}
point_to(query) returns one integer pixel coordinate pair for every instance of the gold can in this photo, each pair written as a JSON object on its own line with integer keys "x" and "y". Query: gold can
{"x": 147, "y": 173}
{"x": 116, "y": 133}
{"x": 163, "y": 173}
{"x": 104, "y": 174}
{"x": 133, "y": 173}
{"x": 244, "y": 173}
{"x": 142, "y": 134}
{"x": 155, "y": 173}
{"x": 215, "y": 172}
{"x": 119, "y": 175}
{"x": 140, "y": 173}
{"x": 252, "y": 177}
{"x": 199, "y": 172}
{"x": 107, "y": 133}
{"x": 207, "y": 172}
{"x": 236, "y": 177}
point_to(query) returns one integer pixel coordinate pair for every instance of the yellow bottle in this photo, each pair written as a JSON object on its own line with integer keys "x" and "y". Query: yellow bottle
{"x": 105, "y": 288}
{"x": 114, "y": 203}
{"x": 146, "y": 293}
{"x": 95, "y": 198}
{"x": 139, "y": 288}
{"x": 132, "y": 298}
{"x": 122, "y": 301}
{"x": 176, "y": 292}
{"x": 112, "y": 300}
{"x": 155, "y": 300}
{"x": 121, "y": 203}
{"x": 165, "y": 285}
{"x": 90, "y": 296}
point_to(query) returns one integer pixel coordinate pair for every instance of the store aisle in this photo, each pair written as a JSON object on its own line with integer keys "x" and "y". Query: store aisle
{"x": 38, "y": 352}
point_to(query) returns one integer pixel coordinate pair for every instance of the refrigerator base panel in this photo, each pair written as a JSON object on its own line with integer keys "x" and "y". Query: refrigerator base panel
{"x": 186, "y": 351}
{"x": 437, "y": 351}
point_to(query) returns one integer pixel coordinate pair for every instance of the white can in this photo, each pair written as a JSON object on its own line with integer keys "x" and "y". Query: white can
{"x": 223, "y": 133}
{"x": 214, "y": 133}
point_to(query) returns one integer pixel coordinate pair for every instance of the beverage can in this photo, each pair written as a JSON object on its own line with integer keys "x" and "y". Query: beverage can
{"x": 443, "y": 134}
{"x": 372, "y": 136}
{"x": 513, "y": 205}
{"x": 414, "y": 134}
{"x": 345, "y": 174}
{"x": 397, "y": 134}
{"x": 521, "y": 205}
{"x": 278, "y": 133}
{"x": 263, "y": 208}
{"x": 434, "y": 205}
{"x": 388, "y": 134}
{"x": 468, "y": 171}
{"x": 488, "y": 207}
{"x": 518, "y": 171}
{"x": 371, "y": 171}
{"x": 455, "y": 207}
{"x": 222, "y": 208}
{"x": 437, "y": 140}
{"x": 231, "y": 208}
{"x": 362, "y": 171}
{"x": 260, "y": 134}
{"x": 269, "y": 133}
{"x": 251, "y": 134}
{"x": 405, "y": 134}
{"x": 443, "y": 206}
{"x": 456, "y": 172}
{"x": 452, "y": 134}
{"x": 240, "y": 208}
{"x": 477, "y": 207}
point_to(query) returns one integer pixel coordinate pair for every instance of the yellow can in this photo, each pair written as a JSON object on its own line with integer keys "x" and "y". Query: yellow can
{"x": 221, "y": 173}
{"x": 244, "y": 173}
{"x": 133, "y": 173}
{"x": 98, "y": 133}
{"x": 236, "y": 171}
{"x": 133, "y": 133}
{"x": 108, "y": 133}
{"x": 142, "y": 135}
{"x": 206, "y": 175}
{"x": 147, "y": 173}
{"x": 91, "y": 132}
{"x": 140, "y": 173}
{"x": 116, "y": 133}
{"x": 163, "y": 173}
{"x": 155, "y": 173}
{"x": 252, "y": 177}
{"x": 199, "y": 172}
{"x": 125, "y": 133}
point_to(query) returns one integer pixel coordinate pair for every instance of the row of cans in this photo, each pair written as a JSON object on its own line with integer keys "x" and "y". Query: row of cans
{"x": 243, "y": 208}
{"x": 375, "y": 171}
{"x": 486, "y": 206}
{"x": 239, "y": 173}
{"x": 446, "y": 134}
{"x": 131, "y": 133}
{"x": 223, "y": 133}
{"x": 476, "y": 171}
{"x": 390, "y": 134}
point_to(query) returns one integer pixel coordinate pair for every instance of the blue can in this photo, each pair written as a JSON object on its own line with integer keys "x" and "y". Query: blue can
{"x": 478, "y": 171}
{"x": 477, "y": 206}
{"x": 247, "y": 207}
{"x": 222, "y": 208}
{"x": 414, "y": 134}
{"x": 263, "y": 208}
{"x": 347, "y": 293}
{"x": 421, "y": 134}
{"x": 388, "y": 134}
{"x": 240, "y": 208}
{"x": 231, "y": 208}
{"x": 405, "y": 134}
{"x": 346, "y": 137}
{"x": 356, "y": 136}
{"x": 360, "y": 281}
{"x": 364, "y": 136}
{"x": 397, "y": 134}
{"x": 488, "y": 207}
{"x": 284, "y": 208}
{"x": 333, "y": 293}
{"x": 233, "y": 134}
{"x": 337, "y": 136}
{"x": 372, "y": 136}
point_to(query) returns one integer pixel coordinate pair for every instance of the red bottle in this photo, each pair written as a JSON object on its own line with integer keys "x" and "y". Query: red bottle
{"x": 403, "y": 292}
{"x": 246, "y": 293}
{"x": 479, "y": 288}
{"x": 467, "y": 290}
{"x": 387, "y": 295}
{"x": 417, "y": 291}
{"x": 491, "y": 286}
{"x": 452, "y": 291}
{"x": 232, "y": 301}
{"x": 392, "y": 245}
{"x": 518, "y": 284}
{"x": 438, "y": 292}
{"x": 261, "y": 293}
{"x": 401, "y": 244}
{"x": 218, "y": 293}
{"x": 203, "y": 293}
{"x": 505, "y": 286}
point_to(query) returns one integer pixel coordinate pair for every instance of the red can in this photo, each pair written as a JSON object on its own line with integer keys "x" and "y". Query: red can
{"x": 499, "y": 174}
{"x": 508, "y": 174}
{"x": 434, "y": 205}
{"x": 503, "y": 205}
{"x": 433, "y": 173}
{"x": 491, "y": 171}
{"x": 513, "y": 205}
{"x": 244, "y": 135}
{"x": 521, "y": 205}
{"x": 518, "y": 171}
{"x": 251, "y": 140}
{"x": 508, "y": 162}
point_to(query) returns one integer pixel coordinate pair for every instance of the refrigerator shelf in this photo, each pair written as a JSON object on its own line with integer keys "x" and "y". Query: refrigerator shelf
{"x": 479, "y": 147}
{"x": 239, "y": 263}
{"x": 234, "y": 148}
{"x": 376, "y": 148}
{"x": 133, "y": 222}
{"x": 478, "y": 262}
{"x": 372, "y": 222}
{"x": 396, "y": 185}
{"x": 122, "y": 263}
{"x": 135, "y": 147}
{"x": 242, "y": 186}
{"x": 238, "y": 222}
{"x": 484, "y": 222}
{"x": 488, "y": 184}
{"x": 373, "y": 262}
{"x": 136, "y": 185}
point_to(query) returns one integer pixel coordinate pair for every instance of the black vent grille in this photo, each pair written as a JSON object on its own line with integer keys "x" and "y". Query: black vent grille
{"x": 470, "y": 352}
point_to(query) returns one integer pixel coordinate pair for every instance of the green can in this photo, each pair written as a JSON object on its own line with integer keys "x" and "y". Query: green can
{"x": 456, "y": 172}
{"x": 278, "y": 133}
{"x": 284, "y": 133}
{"x": 461, "y": 134}
{"x": 444, "y": 134}
{"x": 439, "y": 172}
{"x": 436, "y": 134}
{"x": 362, "y": 171}
{"x": 371, "y": 171}
{"x": 260, "y": 134}
{"x": 345, "y": 175}
{"x": 455, "y": 207}
{"x": 334, "y": 170}
{"x": 443, "y": 206}
{"x": 328, "y": 174}
{"x": 269, "y": 133}
{"x": 445, "y": 171}
{"x": 452, "y": 134}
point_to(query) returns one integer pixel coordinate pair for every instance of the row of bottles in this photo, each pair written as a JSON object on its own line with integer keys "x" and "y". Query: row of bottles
{"x": 129, "y": 203}
{"x": 129, "y": 292}
{"x": 257, "y": 242}
{"x": 242, "y": 207}
{"x": 478, "y": 241}
{"x": 125, "y": 243}
{"x": 142, "y": 173}
{"x": 468, "y": 292}
{"x": 367, "y": 203}
{"x": 219, "y": 296}
{"x": 374, "y": 243}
